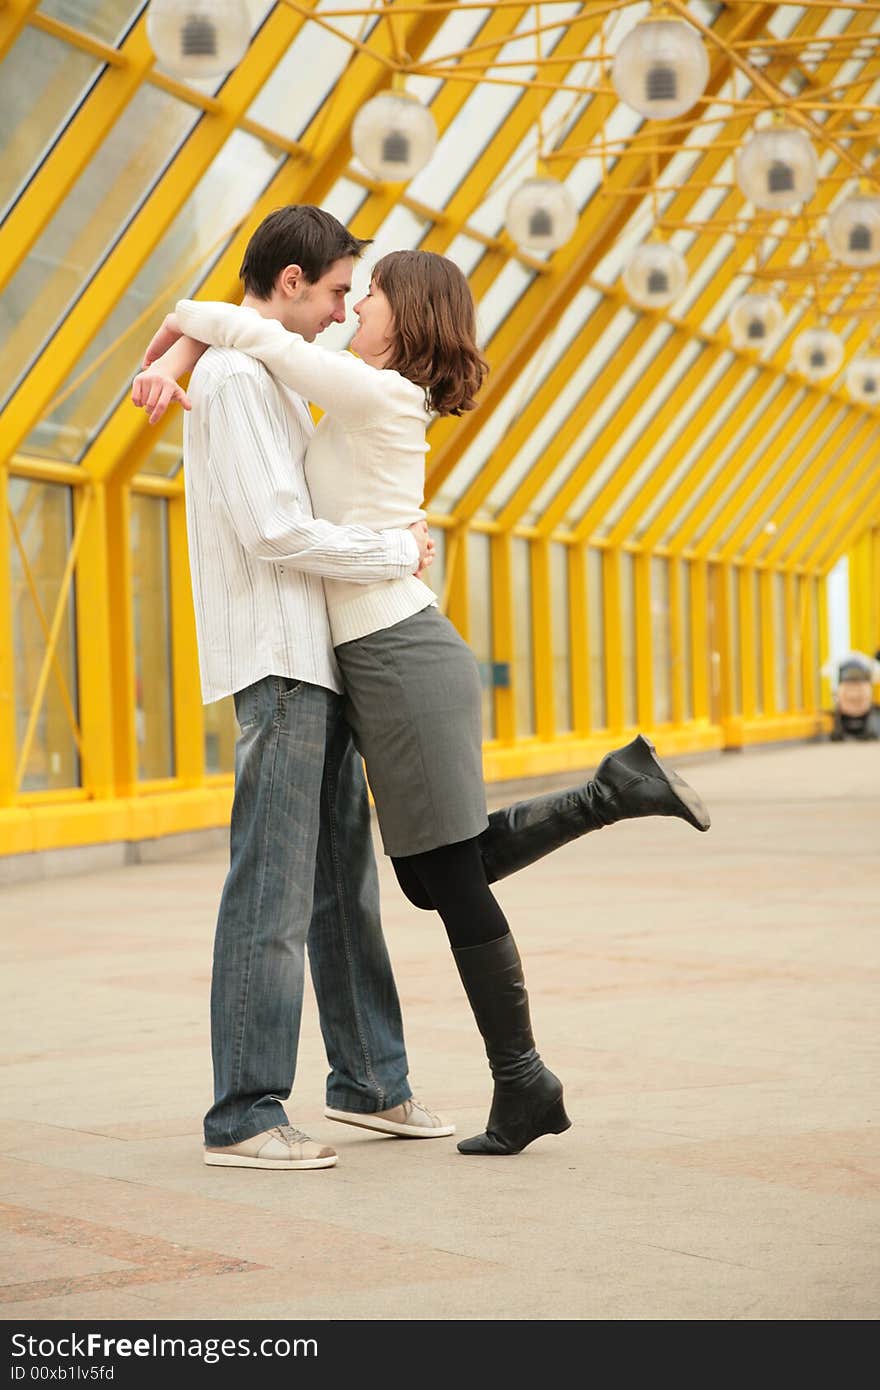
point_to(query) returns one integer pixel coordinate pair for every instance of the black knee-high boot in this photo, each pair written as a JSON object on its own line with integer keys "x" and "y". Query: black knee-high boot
{"x": 628, "y": 783}
{"x": 528, "y": 1098}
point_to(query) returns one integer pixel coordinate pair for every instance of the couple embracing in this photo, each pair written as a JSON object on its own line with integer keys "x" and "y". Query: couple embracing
{"x": 307, "y": 546}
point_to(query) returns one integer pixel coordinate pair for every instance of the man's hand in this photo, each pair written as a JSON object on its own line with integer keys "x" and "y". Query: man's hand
{"x": 426, "y": 546}
{"x": 154, "y": 390}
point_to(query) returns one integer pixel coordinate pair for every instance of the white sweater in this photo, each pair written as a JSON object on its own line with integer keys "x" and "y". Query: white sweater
{"x": 365, "y": 463}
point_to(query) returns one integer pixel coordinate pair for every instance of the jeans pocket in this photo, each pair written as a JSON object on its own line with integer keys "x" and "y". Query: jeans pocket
{"x": 285, "y": 689}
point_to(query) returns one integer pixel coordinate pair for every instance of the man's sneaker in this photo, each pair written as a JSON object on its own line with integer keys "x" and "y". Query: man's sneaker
{"x": 280, "y": 1147}
{"x": 411, "y": 1120}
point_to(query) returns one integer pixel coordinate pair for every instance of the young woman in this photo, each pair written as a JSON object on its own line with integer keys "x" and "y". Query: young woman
{"x": 412, "y": 684}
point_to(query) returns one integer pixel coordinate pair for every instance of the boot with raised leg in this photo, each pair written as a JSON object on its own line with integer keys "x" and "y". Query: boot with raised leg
{"x": 528, "y": 1097}
{"x": 628, "y": 783}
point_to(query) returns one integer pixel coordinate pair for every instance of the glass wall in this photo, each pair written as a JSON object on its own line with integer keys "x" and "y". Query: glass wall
{"x": 524, "y": 688}
{"x": 43, "y": 521}
{"x": 596, "y": 639}
{"x": 152, "y": 637}
{"x": 628, "y": 638}
{"x": 559, "y": 609}
{"x": 660, "y": 640}
{"x": 480, "y": 594}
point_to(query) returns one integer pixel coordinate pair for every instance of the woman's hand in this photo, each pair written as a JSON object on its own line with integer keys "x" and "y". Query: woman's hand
{"x": 155, "y": 390}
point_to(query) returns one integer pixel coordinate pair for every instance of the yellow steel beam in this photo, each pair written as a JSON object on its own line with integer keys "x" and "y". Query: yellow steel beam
{"x": 569, "y": 431}
{"x": 849, "y": 461}
{"x": 789, "y": 517}
{"x": 859, "y": 508}
{"x": 146, "y": 229}
{"x": 793, "y": 453}
{"x": 541, "y": 306}
{"x": 524, "y": 424}
{"x": 303, "y": 179}
{"x": 762, "y": 422}
{"x": 73, "y": 150}
{"x": 677, "y": 660}
{"x": 14, "y": 15}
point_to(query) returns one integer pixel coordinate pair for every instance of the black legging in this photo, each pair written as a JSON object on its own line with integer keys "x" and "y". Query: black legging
{"x": 451, "y": 880}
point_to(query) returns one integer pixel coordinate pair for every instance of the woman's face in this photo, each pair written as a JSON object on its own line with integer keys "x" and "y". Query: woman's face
{"x": 375, "y": 335}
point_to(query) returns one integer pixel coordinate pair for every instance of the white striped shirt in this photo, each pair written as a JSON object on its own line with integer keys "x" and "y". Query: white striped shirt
{"x": 365, "y": 465}
{"x": 257, "y": 553}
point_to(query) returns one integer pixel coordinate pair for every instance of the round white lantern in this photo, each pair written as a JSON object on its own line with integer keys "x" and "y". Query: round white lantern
{"x": 777, "y": 168}
{"x": 853, "y": 231}
{"x": 863, "y": 380}
{"x": 541, "y": 215}
{"x": 661, "y": 68}
{"x": 817, "y": 353}
{"x": 655, "y": 275}
{"x": 754, "y": 319}
{"x": 394, "y": 136}
{"x": 198, "y": 38}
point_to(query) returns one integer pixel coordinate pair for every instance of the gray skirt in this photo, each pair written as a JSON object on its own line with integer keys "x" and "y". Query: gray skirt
{"x": 414, "y": 705}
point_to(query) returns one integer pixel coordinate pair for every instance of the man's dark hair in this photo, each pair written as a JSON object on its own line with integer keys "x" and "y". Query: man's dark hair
{"x": 296, "y": 235}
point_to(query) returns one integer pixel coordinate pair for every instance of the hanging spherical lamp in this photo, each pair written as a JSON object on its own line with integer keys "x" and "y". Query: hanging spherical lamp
{"x": 661, "y": 68}
{"x": 655, "y": 275}
{"x": 198, "y": 38}
{"x": 853, "y": 231}
{"x": 777, "y": 167}
{"x": 541, "y": 215}
{"x": 863, "y": 380}
{"x": 754, "y": 319}
{"x": 817, "y": 353}
{"x": 394, "y": 136}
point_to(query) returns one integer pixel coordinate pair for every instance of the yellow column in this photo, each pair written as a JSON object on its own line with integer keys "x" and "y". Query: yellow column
{"x": 676, "y": 641}
{"x": 644, "y": 641}
{"x": 503, "y": 642}
{"x": 824, "y": 681}
{"x": 809, "y": 655}
{"x": 120, "y": 603}
{"x": 456, "y": 604}
{"x": 747, "y": 639}
{"x": 542, "y": 639}
{"x": 189, "y": 724}
{"x": 613, "y": 645}
{"x": 792, "y": 640}
{"x": 768, "y": 643}
{"x": 699, "y": 631}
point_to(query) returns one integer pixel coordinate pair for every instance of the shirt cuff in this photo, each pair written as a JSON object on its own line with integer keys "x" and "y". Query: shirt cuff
{"x": 404, "y": 551}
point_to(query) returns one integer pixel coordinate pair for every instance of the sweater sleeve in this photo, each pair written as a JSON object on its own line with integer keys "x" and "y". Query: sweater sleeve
{"x": 341, "y": 384}
{"x": 250, "y": 468}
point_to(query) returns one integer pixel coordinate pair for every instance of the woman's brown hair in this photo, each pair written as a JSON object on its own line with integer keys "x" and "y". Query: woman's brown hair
{"x": 435, "y": 326}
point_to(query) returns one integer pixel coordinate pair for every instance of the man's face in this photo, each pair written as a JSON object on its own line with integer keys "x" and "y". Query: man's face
{"x": 312, "y": 308}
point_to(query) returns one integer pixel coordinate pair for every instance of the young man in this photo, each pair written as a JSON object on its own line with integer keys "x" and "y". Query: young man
{"x": 302, "y": 866}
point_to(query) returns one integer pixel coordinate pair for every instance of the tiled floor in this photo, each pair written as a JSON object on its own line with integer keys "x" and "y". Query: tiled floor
{"x": 710, "y": 1001}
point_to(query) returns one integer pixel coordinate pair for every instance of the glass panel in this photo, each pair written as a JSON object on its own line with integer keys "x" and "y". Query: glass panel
{"x": 596, "y": 639}
{"x": 103, "y": 19}
{"x": 524, "y": 686}
{"x": 189, "y": 248}
{"x": 221, "y": 732}
{"x": 782, "y": 643}
{"x": 166, "y": 456}
{"x": 480, "y": 600}
{"x": 686, "y": 655}
{"x": 814, "y": 693}
{"x": 559, "y": 609}
{"x": 661, "y": 650}
{"x": 89, "y": 220}
{"x": 42, "y": 80}
{"x": 43, "y": 515}
{"x": 628, "y": 637}
{"x": 152, "y": 637}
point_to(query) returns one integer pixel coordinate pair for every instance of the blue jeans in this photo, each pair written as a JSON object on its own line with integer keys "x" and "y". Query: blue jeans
{"x": 302, "y": 870}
